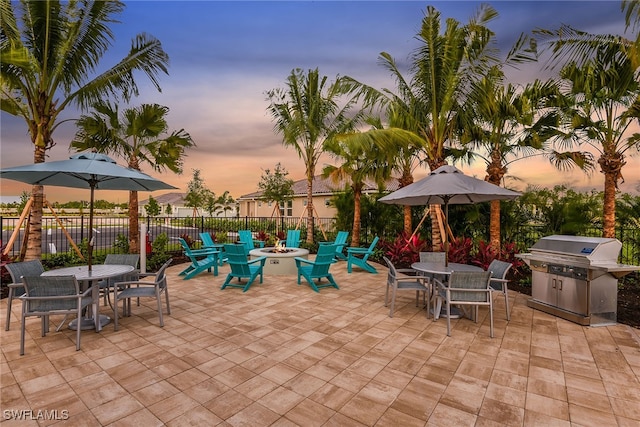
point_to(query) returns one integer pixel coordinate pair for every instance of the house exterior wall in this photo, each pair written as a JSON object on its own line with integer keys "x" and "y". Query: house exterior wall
{"x": 259, "y": 208}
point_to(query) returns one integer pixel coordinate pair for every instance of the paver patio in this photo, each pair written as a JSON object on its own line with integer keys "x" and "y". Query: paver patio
{"x": 283, "y": 355}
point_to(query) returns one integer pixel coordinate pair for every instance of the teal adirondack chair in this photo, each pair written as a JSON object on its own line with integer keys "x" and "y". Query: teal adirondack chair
{"x": 339, "y": 243}
{"x": 359, "y": 257}
{"x": 293, "y": 239}
{"x": 208, "y": 243}
{"x": 201, "y": 260}
{"x": 246, "y": 238}
{"x": 241, "y": 267}
{"x": 314, "y": 271}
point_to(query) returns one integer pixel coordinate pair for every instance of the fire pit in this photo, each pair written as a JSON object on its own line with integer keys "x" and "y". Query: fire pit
{"x": 280, "y": 260}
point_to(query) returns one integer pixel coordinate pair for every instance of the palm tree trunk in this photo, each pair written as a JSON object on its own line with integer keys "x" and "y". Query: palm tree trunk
{"x": 436, "y": 235}
{"x": 408, "y": 224}
{"x": 134, "y": 228}
{"x": 34, "y": 245}
{"x": 310, "y": 209}
{"x": 494, "y": 226}
{"x": 357, "y": 196}
{"x": 609, "y": 207}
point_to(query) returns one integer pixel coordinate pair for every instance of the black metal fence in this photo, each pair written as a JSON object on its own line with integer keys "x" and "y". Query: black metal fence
{"x": 111, "y": 233}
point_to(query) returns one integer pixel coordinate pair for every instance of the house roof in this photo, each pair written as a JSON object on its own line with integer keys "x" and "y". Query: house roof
{"x": 325, "y": 187}
{"x": 175, "y": 199}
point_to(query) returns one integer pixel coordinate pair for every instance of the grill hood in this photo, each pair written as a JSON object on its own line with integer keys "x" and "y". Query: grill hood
{"x": 591, "y": 250}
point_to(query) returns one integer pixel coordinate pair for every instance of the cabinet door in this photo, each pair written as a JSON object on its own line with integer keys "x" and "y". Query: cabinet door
{"x": 544, "y": 288}
{"x": 572, "y": 295}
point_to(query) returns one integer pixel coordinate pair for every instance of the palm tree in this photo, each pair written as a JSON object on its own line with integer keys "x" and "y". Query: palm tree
{"x": 442, "y": 68}
{"x": 602, "y": 89}
{"x": 48, "y": 61}
{"x": 513, "y": 124}
{"x": 307, "y": 113}
{"x": 359, "y": 162}
{"x": 139, "y": 136}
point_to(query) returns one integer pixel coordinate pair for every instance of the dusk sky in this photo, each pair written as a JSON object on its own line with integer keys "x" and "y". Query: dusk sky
{"x": 224, "y": 56}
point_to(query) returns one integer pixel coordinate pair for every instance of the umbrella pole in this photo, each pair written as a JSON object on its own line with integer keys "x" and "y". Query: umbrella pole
{"x": 90, "y": 245}
{"x": 446, "y": 237}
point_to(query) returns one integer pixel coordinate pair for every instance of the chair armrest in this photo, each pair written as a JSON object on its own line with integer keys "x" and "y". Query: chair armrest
{"x": 499, "y": 280}
{"x": 56, "y": 297}
{"x": 15, "y": 285}
{"x": 306, "y": 261}
{"x": 259, "y": 259}
{"x": 134, "y": 282}
{"x": 357, "y": 250}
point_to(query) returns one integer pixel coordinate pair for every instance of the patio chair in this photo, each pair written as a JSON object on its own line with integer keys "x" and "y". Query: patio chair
{"x": 45, "y": 296}
{"x": 318, "y": 269}
{"x": 118, "y": 259}
{"x": 241, "y": 267}
{"x": 466, "y": 288}
{"x": 293, "y": 239}
{"x": 397, "y": 283}
{"x": 208, "y": 243}
{"x": 439, "y": 257}
{"x": 359, "y": 257}
{"x": 246, "y": 237}
{"x": 16, "y": 288}
{"x": 124, "y": 291}
{"x": 499, "y": 281}
{"x": 340, "y": 242}
{"x": 201, "y": 260}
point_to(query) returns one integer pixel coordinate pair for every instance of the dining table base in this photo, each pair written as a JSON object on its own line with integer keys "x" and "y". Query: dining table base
{"x": 89, "y": 323}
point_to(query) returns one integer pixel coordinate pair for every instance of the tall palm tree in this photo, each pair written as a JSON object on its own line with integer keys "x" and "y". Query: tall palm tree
{"x": 307, "y": 113}
{"x": 50, "y": 52}
{"x": 138, "y": 136}
{"x": 602, "y": 95}
{"x": 601, "y": 84}
{"x": 442, "y": 68}
{"x": 359, "y": 163}
{"x": 513, "y": 124}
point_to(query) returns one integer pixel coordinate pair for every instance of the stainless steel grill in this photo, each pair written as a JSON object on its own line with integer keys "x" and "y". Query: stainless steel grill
{"x": 576, "y": 278}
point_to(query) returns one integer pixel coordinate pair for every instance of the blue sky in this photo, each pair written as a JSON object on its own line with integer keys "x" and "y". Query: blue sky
{"x": 226, "y": 55}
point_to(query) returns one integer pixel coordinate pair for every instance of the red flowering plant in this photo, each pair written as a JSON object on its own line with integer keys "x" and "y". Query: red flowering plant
{"x": 404, "y": 250}
{"x": 460, "y": 250}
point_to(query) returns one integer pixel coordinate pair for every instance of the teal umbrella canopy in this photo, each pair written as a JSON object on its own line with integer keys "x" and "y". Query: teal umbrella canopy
{"x": 85, "y": 170}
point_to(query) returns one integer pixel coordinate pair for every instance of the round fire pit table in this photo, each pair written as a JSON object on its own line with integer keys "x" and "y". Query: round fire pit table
{"x": 280, "y": 263}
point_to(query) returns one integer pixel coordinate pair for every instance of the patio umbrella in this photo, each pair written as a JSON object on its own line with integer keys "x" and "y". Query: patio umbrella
{"x": 448, "y": 185}
{"x": 85, "y": 170}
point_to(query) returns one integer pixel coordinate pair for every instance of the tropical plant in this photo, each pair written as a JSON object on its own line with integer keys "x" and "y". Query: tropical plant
{"x": 427, "y": 105}
{"x": 404, "y": 249}
{"x": 359, "y": 163}
{"x": 50, "y": 59}
{"x": 512, "y": 124}
{"x": 306, "y": 113}
{"x": 599, "y": 78}
{"x": 140, "y": 136}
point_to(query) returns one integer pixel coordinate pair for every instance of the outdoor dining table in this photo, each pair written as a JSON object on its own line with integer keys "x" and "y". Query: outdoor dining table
{"x": 91, "y": 278}
{"x": 439, "y": 268}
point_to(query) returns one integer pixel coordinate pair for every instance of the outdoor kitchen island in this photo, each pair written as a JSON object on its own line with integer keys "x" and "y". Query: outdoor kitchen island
{"x": 280, "y": 260}
{"x": 576, "y": 278}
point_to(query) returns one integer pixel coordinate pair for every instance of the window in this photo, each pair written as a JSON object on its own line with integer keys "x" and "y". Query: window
{"x": 286, "y": 208}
